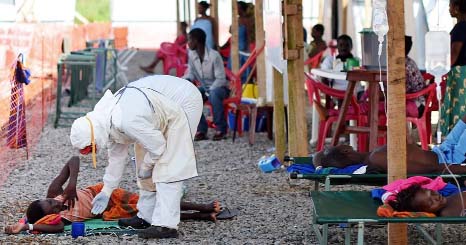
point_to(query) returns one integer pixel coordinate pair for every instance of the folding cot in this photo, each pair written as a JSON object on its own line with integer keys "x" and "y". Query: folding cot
{"x": 358, "y": 208}
{"x": 357, "y": 179}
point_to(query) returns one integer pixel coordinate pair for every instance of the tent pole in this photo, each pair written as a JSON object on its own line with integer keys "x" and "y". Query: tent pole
{"x": 214, "y": 14}
{"x": 397, "y": 233}
{"x": 178, "y": 18}
{"x": 279, "y": 115}
{"x": 260, "y": 37}
{"x": 294, "y": 44}
{"x": 234, "y": 48}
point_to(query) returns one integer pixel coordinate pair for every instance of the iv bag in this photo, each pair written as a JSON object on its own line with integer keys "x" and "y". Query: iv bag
{"x": 379, "y": 18}
{"x": 437, "y": 54}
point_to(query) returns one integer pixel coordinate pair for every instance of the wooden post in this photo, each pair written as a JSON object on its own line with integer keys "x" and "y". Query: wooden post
{"x": 344, "y": 21}
{"x": 234, "y": 48}
{"x": 214, "y": 14}
{"x": 178, "y": 18}
{"x": 188, "y": 3}
{"x": 367, "y": 13}
{"x": 260, "y": 38}
{"x": 320, "y": 19}
{"x": 397, "y": 233}
{"x": 279, "y": 115}
{"x": 294, "y": 44}
{"x": 196, "y": 10}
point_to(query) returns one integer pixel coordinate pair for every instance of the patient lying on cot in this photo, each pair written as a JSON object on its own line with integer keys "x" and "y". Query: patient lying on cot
{"x": 51, "y": 214}
{"x": 418, "y": 199}
{"x": 452, "y": 152}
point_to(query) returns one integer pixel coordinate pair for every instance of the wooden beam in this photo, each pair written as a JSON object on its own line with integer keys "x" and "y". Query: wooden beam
{"x": 260, "y": 39}
{"x": 367, "y": 13}
{"x": 297, "y": 125}
{"x": 397, "y": 233}
{"x": 320, "y": 19}
{"x": 196, "y": 10}
{"x": 178, "y": 18}
{"x": 344, "y": 21}
{"x": 214, "y": 14}
{"x": 279, "y": 115}
{"x": 189, "y": 12}
{"x": 234, "y": 48}
{"x": 185, "y": 11}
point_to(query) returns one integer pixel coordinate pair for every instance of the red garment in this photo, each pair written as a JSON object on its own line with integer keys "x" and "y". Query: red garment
{"x": 181, "y": 40}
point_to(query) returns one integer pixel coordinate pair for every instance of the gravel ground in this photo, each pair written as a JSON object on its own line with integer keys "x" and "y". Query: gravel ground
{"x": 273, "y": 209}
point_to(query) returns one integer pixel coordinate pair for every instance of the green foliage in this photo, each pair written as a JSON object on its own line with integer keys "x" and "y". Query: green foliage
{"x": 94, "y": 10}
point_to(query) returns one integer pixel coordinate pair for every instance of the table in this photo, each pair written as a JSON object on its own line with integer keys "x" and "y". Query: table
{"x": 330, "y": 74}
{"x": 373, "y": 78}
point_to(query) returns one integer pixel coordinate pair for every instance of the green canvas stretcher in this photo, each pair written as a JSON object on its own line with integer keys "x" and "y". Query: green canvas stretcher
{"x": 358, "y": 179}
{"x": 358, "y": 208}
{"x": 96, "y": 227}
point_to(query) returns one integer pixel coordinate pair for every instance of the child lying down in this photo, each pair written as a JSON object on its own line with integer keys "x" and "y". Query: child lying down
{"x": 51, "y": 214}
{"x": 432, "y": 197}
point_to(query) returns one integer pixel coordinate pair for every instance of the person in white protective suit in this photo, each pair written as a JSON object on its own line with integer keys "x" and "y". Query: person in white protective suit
{"x": 159, "y": 115}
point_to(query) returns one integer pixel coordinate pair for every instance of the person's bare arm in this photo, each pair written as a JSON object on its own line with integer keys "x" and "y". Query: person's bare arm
{"x": 69, "y": 172}
{"x": 455, "y": 51}
{"x": 17, "y": 228}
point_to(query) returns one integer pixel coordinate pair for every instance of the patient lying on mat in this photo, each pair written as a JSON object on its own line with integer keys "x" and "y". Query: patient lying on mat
{"x": 418, "y": 199}
{"x": 50, "y": 215}
{"x": 452, "y": 151}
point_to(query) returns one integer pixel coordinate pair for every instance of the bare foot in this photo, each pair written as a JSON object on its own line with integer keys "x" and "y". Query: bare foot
{"x": 216, "y": 207}
{"x": 213, "y": 217}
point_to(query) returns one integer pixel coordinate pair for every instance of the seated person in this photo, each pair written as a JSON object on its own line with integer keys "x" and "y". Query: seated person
{"x": 451, "y": 151}
{"x": 49, "y": 215}
{"x": 181, "y": 41}
{"x": 414, "y": 82}
{"x": 318, "y": 44}
{"x": 205, "y": 65}
{"x": 344, "y": 46}
{"x": 418, "y": 199}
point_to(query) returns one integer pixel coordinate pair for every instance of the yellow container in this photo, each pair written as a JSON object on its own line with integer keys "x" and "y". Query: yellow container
{"x": 250, "y": 90}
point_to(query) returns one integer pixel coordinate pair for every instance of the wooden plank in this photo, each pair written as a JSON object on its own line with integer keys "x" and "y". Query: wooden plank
{"x": 320, "y": 18}
{"x": 367, "y": 13}
{"x": 196, "y": 11}
{"x": 344, "y": 18}
{"x": 234, "y": 48}
{"x": 397, "y": 233}
{"x": 279, "y": 115}
{"x": 297, "y": 125}
{"x": 214, "y": 14}
{"x": 260, "y": 37}
{"x": 188, "y": 2}
{"x": 178, "y": 18}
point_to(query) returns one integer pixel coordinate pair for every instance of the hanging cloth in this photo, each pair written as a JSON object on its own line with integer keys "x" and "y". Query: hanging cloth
{"x": 16, "y": 131}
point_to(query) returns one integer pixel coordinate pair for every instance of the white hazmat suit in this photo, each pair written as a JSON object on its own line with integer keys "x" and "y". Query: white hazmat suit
{"x": 159, "y": 115}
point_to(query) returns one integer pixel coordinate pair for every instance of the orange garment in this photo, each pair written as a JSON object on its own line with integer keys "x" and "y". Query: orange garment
{"x": 387, "y": 211}
{"x": 122, "y": 204}
{"x": 51, "y": 219}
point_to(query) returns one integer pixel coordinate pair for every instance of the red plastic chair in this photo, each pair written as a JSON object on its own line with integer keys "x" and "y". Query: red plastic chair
{"x": 174, "y": 57}
{"x": 327, "y": 116}
{"x": 422, "y": 122}
{"x": 314, "y": 62}
{"x": 233, "y": 103}
{"x": 429, "y": 78}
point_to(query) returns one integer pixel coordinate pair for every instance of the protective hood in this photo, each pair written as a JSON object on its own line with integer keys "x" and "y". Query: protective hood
{"x": 99, "y": 119}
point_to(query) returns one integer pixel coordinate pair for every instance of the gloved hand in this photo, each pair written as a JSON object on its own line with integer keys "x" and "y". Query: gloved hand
{"x": 100, "y": 202}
